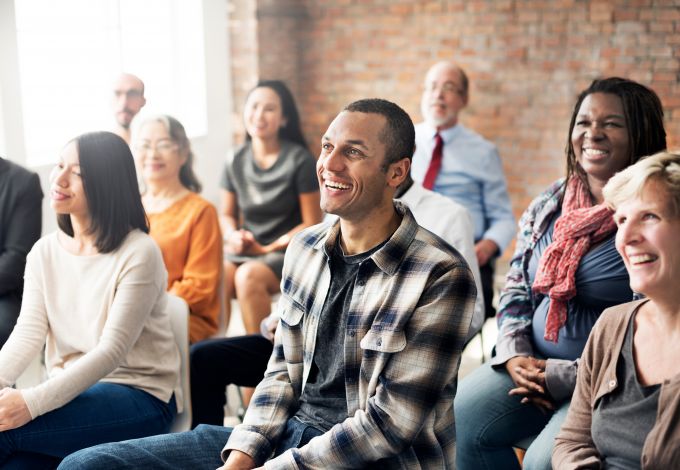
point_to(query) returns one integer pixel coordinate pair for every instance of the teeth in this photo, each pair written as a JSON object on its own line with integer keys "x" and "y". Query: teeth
{"x": 337, "y": 185}
{"x": 596, "y": 151}
{"x": 643, "y": 258}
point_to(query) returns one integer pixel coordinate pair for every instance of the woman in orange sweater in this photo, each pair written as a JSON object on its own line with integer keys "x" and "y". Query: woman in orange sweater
{"x": 184, "y": 225}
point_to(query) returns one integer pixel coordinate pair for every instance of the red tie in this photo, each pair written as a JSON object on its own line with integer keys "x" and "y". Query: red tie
{"x": 435, "y": 163}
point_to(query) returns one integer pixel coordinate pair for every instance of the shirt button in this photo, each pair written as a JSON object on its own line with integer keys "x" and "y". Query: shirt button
{"x": 379, "y": 342}
{"x": 352, "y": 333}
{"x": 612, "y": 383}
{"x": 361, "y": 282}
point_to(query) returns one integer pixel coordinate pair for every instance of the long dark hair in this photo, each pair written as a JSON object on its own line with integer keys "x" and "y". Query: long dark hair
{"x": 107, "y": 170}
{"x": 291, "y": 131}
{"x": 644, "y": 120}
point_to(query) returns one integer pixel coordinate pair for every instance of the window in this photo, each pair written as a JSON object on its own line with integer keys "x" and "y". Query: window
{"x": 70, "y": 51}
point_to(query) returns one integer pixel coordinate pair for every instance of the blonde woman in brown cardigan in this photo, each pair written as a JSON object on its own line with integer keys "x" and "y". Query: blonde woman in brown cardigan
{"x": 624, "y": 413}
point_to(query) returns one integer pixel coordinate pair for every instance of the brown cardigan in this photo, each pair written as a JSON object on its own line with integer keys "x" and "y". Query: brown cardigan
{"x": 574, "y": 448}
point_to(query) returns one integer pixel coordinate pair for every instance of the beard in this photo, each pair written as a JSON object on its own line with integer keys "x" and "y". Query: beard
{"x": 430, "y": 118}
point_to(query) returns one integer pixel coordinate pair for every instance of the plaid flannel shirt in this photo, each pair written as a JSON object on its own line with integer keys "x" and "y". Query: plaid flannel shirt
{"x": 410, "y": 311}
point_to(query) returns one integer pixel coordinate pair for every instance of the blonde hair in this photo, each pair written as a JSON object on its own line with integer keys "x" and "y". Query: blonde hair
{"x": 663, "y": 167}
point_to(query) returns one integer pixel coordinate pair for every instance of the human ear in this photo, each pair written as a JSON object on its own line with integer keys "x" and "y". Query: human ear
{"x": 398, "y": 171}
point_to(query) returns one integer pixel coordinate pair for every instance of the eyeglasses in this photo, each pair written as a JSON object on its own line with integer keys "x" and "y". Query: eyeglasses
{"x": 163, "y": 147}
{"x": 129, "y": 94}
{"x": 448, "y": 88}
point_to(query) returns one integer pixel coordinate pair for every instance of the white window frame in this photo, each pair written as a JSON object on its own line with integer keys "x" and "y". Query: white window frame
{"x": 210, "y": 149}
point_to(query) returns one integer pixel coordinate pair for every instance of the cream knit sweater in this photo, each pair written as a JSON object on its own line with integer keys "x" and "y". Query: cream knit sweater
{"x": 102, "y": 318}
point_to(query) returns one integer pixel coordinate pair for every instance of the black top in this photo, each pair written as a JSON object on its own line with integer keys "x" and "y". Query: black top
{"x": 20, "y": 223}
{"x": 323, "y": 402}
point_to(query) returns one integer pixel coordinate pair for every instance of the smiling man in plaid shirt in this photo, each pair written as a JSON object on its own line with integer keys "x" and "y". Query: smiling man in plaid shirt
{"x": 374, "y": 313}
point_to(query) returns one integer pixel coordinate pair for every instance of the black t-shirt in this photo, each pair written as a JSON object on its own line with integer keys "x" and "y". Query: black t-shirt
{"x": 323, "y": 402}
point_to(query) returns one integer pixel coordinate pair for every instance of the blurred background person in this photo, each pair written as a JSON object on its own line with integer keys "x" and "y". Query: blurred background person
{"x": 269, "y": 193}
{"x": 94, "y": 294}
{"x": 625, "y": 409}
{"x": 564, "y": 273}
{"x": 457, "y": 162}
{"x": 20, "y": 225}
{"x": 184, "y": 225}
{"x": 127, "y": 100}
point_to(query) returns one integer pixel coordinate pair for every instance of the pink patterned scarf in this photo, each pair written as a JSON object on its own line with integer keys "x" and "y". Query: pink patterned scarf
{"x": 579, "y": 226}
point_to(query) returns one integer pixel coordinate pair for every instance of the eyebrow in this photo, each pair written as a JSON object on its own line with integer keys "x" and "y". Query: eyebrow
{"x": 357, "y": 142}
{"x": 609, "y": 116}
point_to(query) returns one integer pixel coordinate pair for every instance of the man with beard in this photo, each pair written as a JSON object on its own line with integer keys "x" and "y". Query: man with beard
{"x": 453, "y": 160}
{"x": 127, "y": 100}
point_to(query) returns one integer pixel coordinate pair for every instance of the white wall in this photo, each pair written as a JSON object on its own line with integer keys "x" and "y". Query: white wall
{"x": 210, "y": 149}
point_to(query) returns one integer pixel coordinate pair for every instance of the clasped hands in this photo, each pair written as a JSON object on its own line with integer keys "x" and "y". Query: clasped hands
{"x": 13, "y": 409}
{"x": 528, "y": 374}
{"x": 242, "y": 242}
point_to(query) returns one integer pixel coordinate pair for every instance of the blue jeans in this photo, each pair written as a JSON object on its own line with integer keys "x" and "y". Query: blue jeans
{"x": 105, "y": 412}
{"x": 489, "y": 422}
{"x": 200, "y": 448}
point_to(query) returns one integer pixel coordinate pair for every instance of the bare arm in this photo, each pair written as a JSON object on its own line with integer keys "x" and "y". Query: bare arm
{"x": 311, "y": 214}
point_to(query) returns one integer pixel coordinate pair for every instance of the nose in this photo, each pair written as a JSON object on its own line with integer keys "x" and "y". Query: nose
{"x": 60, "y": 178}
{"x": 334, "y": 161}
{"x": 628, "y": 234}
{"x": 595, "y": 131}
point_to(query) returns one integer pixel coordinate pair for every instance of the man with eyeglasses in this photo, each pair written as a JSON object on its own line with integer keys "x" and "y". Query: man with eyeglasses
{"x": 459, "y": 163}
{"x": 127, "y": 99}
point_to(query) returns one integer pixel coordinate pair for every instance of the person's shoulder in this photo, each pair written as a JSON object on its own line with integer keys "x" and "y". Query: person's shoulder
{"x": 295, "y": 152}
{"x": 198, "y": 203}
{"x": 236, "y": 157}
{"x": 429, "y": 248}
{"x": 45, "y": 244}
{"x": 446, "y": 206}
{"x": 618, "y": 314}
{"x": 17, "y": 174}
{"x": 138, "y": 243}
{"x": 310, "y": 236}
{"x": 553, "y": 192}
{"x": 475, "y": 139}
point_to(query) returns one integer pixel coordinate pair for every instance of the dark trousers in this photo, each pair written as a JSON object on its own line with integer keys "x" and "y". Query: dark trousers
{"x": 486, "y": 273}
{"x": 216, "y": 363}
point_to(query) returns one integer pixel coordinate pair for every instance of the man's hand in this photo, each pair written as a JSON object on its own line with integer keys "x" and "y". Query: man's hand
{"x": 528, "y": 374}
{"x": 485, "y": 249}
{"x": 238, "y": 460}
{"x": 13, "y": 409}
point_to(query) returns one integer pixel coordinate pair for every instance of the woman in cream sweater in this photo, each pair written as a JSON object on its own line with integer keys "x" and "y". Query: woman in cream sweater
{"x": 94, "y": 295}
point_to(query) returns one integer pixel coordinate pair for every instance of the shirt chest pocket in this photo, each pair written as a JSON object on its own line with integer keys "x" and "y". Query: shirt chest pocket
{"x": 290, "y": 311}
{"x": 383, "y": 341}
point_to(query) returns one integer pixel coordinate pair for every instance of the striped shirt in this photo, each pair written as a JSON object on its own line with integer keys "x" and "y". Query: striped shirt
{"x": 410, "y": 311}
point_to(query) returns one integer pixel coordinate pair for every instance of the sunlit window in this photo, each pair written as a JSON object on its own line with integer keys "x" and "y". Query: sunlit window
{"x": 70, "y": 51}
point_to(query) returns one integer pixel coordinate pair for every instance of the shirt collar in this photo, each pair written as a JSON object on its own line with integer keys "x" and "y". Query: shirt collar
{"x": 447, "y": 134}
{"x": 389, "y": 256}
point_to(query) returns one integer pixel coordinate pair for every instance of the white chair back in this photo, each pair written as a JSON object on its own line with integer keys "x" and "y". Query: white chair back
{"x": 178, "y": 310}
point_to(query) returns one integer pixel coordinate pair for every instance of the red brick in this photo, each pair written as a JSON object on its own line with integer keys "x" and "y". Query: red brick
{"x": 527, "y": 61}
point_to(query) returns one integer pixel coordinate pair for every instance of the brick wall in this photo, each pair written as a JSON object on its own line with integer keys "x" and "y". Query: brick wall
{"x": 527, "y": 61}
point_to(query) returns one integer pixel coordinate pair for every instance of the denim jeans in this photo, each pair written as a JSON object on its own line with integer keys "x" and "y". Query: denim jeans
{"x": 200, "y": 448}
{"x": 103, "y": 413}
{"x": 489, "y": 422}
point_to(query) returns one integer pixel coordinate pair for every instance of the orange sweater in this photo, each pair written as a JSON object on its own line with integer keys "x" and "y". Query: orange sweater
{"x": 188, "y": 234}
